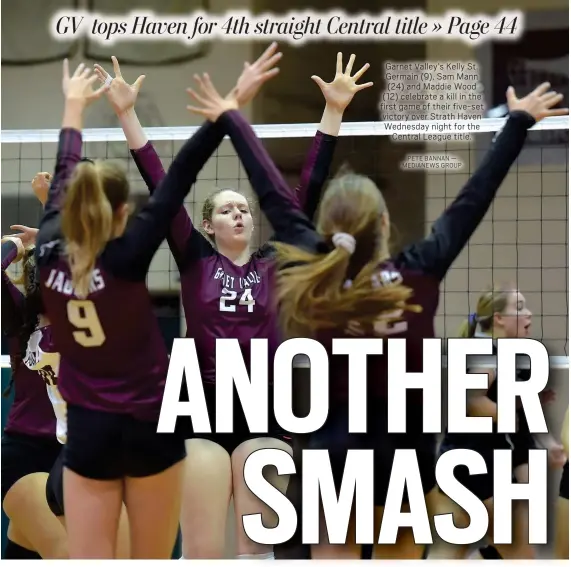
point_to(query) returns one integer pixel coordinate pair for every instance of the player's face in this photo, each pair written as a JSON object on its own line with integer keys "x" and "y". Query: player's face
{"x": 516, "y": 318}
{"x": 232, "y": 222}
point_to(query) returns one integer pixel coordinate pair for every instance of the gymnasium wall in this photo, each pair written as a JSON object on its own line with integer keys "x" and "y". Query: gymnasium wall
{"x": 524, "y": 236}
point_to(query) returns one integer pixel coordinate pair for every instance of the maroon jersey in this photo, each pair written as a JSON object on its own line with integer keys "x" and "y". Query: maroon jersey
{"x": 221, "y": 299}
{"x": 31, "y": 412}
{"x": 113, "y": 357}
{"x": 420, "y": 267}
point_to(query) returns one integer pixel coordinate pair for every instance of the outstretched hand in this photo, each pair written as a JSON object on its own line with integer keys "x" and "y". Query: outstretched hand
{"x": 341, "y": 90}
{"x": 26, "y": 235}
{"x": 539, "y": 103}
{"x": 41, "y": 185}
{"x": 255, "y": 75}
{"x": 79, "y": 87}
{"x": 121, "y": 94}
{"x": 212, "y": 105}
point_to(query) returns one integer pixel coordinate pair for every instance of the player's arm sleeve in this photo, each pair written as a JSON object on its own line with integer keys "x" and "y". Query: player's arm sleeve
{"x": 12, "y": 298}
{"x": 151, "y": 225}
{"x": 276, "y": 198}
{"x": 68, "y": 155}
{"x": 315, "y": 172}
{"x": 151, "y": 169}
{"x": 451, "y": 232}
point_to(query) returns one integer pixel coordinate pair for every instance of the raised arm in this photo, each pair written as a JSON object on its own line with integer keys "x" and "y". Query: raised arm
{"x": 150, "y": 227}
{"x": 78, "y": 95}
{"x": 122, "y": 96}
{"x": 276, "y": 200}
{"x": 338, "y": 95}
{"x": 451, "y": 232}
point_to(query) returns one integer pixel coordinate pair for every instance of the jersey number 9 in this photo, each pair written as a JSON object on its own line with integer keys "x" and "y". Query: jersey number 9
{"x": 83, "y": 316}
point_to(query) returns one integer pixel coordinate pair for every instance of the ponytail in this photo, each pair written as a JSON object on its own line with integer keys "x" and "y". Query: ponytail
{"x": 87, "y": 222}
{"x": 314, "y": 293}
{"x": 468, "y": 328}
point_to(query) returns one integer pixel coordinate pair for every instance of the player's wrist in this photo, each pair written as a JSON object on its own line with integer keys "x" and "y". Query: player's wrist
{"x": 20, "y": 249}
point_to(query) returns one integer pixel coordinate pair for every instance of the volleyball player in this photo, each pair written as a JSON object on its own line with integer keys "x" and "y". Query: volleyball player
{"x": 562, "y": 517}
{"x": 332, "y": 277}
{"x": 113, "y": 360}
{"x": 241, "y": 304}
{"x": 29, "y": 444}
{"x": 501, "y": 312}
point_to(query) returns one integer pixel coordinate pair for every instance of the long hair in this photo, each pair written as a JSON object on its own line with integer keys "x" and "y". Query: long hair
{"x": 493, "y": 299}
{"x": 19, "y": 322}
{"x": 96, "y": 190}
{"x": 326, "y": 291}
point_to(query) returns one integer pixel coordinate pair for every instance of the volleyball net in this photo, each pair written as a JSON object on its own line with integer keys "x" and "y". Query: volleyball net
{"x": 523, "y": 239}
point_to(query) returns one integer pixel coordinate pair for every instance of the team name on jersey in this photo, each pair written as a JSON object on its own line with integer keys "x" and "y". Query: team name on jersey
{"x": 229, "y": 282}
{"x": 59, "y": 281}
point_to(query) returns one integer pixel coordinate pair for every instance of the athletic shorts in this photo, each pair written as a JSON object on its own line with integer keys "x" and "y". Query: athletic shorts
{"x": 564, "y": 485}
{"x": 335, "y": 438}
{"x": 54, "y": 487}
{"x": 25, "y": 454}
{"x": 482, "y": 485}
{"x": 109, "y": 446}
{"x": 240, "y": 428}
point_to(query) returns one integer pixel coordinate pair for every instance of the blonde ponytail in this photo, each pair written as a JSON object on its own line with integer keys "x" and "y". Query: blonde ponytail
{"x": 468, "y": 327}
{"x": 87, "y": 223}
{"x": 316, "y": 295}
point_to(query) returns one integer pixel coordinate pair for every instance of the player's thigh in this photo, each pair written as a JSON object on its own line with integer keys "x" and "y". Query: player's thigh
{"x": 153, "y": 505}
{"x": 26, "y": 505}
{"x": 207, "y": 489}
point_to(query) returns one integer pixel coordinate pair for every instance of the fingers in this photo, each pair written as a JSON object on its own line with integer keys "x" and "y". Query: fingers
{"x": 363, "y": 86}
{"x": 86, "y": 73}
{"x": 543, "y": 88}
{"x": 196, "y": 110}
{"x": 196, "y": 97}
{"x": 557, "y": 112}
{"x": 101, "y": 90}
{"x": 139, "y": 83}
{"x": 65, "y": 69}
{"x": 349, "y": 67}
{"x": 78, "y": 71}
{"x": 116, "y": 68}
{"x": 270, "y": 74}
{"x": 19, "y": 227}
{"x": 271, "y": 62}
{"x": 101, "y": 73}
{"x": 208, "y": 87}
{"x": 510, "y": 96}
{"x": 551, "y": 99}
{"x": 339, "y": 69}
{"x": 320, "y": 82}
{"x": 268, "y": 52}
{"x": 360, "y": 72}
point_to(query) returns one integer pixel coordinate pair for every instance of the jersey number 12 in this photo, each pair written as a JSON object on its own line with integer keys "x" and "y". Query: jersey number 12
{"x": 83, "y": 316}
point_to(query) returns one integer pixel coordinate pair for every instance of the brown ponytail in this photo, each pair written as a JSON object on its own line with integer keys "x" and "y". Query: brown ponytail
{"x": 326, "y": 291}
{"x": 93, "y": 195}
